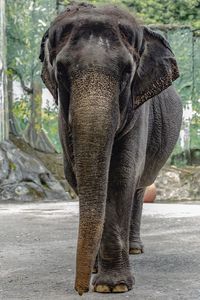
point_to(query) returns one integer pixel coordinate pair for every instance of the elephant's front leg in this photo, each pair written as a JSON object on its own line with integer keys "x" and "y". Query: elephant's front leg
{"x": 135, "y": 243}
{"x": 114, "y": 273}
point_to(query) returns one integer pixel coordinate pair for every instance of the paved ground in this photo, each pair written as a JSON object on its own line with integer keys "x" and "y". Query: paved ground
{"x": 37, "y": 253}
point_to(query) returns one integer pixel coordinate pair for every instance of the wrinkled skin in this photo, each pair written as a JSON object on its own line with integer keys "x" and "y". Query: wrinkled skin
{"x": 119, "y": 120}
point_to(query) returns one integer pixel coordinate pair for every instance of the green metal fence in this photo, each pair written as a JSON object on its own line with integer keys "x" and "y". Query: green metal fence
{"x": 185, "y": 43}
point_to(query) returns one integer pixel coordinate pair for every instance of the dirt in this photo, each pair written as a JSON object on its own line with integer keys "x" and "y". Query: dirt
{"x": 38, "y": 246}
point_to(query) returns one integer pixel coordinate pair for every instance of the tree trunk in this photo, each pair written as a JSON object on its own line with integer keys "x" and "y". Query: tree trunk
{"x": 34, "y": 133}
{"x": 14, "y": 126}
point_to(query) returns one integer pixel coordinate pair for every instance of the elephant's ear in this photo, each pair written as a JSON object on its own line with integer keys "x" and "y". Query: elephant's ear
{"x": 156, "y": 70}
{"x": 47, "y": 69}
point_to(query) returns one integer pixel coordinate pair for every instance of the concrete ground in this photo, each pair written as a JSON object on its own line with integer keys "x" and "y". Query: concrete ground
{"x": 38, "y": 242}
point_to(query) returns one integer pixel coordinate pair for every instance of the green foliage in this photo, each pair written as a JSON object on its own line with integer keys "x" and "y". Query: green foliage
{"x": 160, "y": 11}
{"x": 28, "y": 20}
{"x": 26, "y": 23}
{"x": 50, "y": 125}
{"x": 167, "y": 11}
{"x": 21, "y": 110}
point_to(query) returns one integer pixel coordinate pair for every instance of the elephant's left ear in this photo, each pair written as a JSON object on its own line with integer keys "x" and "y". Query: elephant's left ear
{"x": 47, "y": 69}
{"x": 156, "y": 70}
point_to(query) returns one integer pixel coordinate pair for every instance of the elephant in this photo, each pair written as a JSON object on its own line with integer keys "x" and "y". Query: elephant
{"x": 119, "y": 120}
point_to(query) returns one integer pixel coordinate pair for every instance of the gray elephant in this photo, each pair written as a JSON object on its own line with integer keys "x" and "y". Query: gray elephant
{"x": 101, "y": 66}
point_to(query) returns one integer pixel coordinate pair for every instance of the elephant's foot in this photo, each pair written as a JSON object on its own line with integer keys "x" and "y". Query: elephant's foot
{"x": 112, "y": 282}
{"x": 136, "y": 248}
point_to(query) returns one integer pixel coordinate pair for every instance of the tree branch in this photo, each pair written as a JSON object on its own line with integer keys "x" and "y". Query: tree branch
{"x": 24, "y": 87}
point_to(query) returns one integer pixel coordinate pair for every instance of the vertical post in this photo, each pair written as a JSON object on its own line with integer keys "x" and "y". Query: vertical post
{"x": 3, "y": 92}
{"x": 57, "y": 7}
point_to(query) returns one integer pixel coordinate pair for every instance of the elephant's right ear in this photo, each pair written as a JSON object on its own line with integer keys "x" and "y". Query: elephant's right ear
{"x": 47, "y": 69}
{"x": 157, "y": 67}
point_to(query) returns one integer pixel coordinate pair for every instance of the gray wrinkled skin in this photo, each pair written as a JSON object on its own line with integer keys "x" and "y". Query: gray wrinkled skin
{"x": 102, "y": 67}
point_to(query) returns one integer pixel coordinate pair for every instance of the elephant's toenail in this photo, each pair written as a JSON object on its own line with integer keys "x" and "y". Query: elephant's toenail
{"x": 120, "y": 288}
{"x": 102, "y": 289}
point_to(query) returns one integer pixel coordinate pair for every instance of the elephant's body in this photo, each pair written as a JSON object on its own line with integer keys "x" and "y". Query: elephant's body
{"x": 155, "y": 126}
{"x": 165, "y": 116}
{"x": 102, "y": 67}
{"x": 145, "y": 142}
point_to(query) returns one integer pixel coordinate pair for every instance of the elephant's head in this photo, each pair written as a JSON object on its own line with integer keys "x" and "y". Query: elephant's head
{"x": 99, "y": 64}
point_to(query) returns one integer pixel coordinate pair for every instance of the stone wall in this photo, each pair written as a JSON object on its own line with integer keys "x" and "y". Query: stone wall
{"x": 178, "y": 184}
{"x": 173, "y": 184}
{"x": 24, "y": 178}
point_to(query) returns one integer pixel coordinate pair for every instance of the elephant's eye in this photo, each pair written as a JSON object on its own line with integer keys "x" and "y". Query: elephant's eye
{"x": 60, "y": 69}
{"x": 126, "y": 76}
{"x": 127, "y": 70}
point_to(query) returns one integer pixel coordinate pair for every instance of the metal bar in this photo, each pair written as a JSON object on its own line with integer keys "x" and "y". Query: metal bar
{"x": 3, "y": 89}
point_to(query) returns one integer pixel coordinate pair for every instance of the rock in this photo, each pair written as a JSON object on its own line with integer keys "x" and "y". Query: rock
{"x": 24, "y": 178}
{"x": 172, "y": 184}
{"x": 53, "y": 162}
{"x": 4, "y": 166}
{"x": 178, "y": 184}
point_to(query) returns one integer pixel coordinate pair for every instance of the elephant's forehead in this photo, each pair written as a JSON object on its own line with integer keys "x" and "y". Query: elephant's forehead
{"x": 107, "y": 16}
{"x": 90, "y": 19}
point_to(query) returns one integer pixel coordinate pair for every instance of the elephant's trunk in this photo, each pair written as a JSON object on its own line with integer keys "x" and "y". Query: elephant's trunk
{"x": 95, "y": 114}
